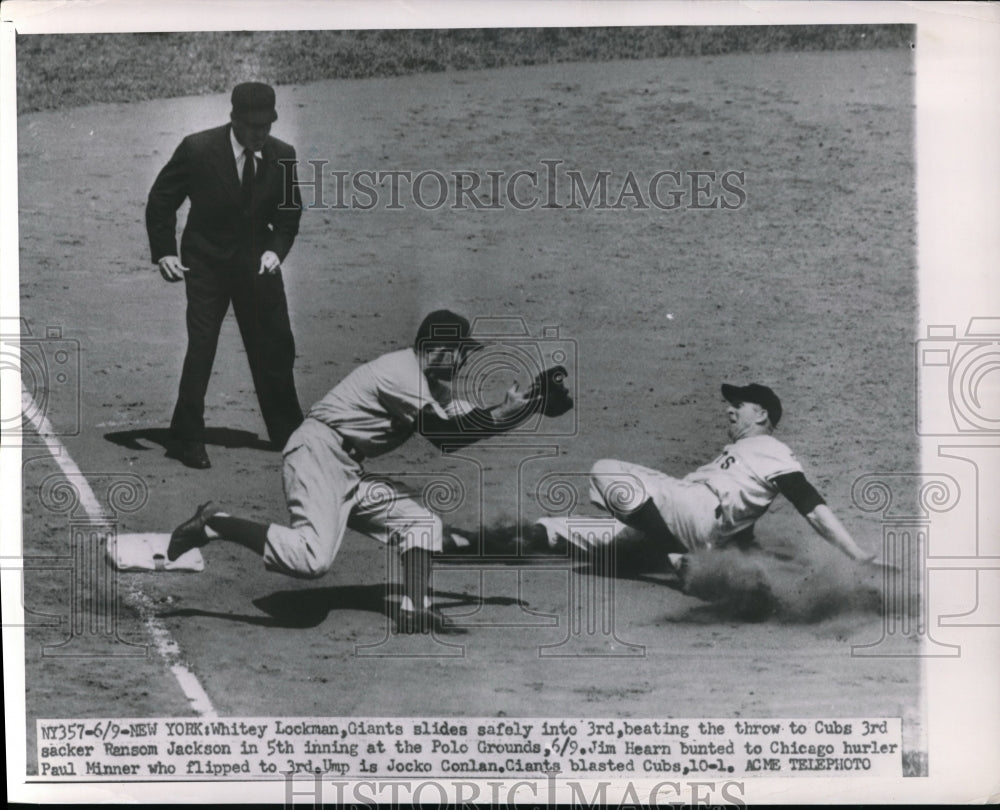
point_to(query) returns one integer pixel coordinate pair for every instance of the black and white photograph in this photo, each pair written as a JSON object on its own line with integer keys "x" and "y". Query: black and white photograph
{"x": 591, "y": 402}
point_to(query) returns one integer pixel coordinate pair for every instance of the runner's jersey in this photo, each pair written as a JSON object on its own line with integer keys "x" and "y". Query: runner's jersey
{"x": 742, "y": 475}
{"x": 377, "y": 405}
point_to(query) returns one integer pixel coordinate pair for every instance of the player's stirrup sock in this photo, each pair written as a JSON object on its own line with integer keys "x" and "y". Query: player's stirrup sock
{"x": 247, "y": 533}
{"x": 648, "y": 520}
{"x": 416, "y": 577}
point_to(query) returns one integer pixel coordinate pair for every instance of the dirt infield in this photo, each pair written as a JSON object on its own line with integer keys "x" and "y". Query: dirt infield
{"x": 808, "y": 286}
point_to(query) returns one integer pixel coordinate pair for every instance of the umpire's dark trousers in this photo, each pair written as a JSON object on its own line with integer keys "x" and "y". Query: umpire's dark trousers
{"x": 262, "y": 315}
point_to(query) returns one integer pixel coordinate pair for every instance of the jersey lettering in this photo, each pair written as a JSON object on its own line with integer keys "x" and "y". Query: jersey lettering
{"x": 741, "y": 477}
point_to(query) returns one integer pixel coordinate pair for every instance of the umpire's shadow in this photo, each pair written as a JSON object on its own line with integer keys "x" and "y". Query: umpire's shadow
{"x": 301, "y": 609}
{"x": 216, "y": 436}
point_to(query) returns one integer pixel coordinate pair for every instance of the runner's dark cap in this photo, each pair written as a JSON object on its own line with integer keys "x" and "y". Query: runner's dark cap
{"x": 253, "y": 102}
{"x": 758, "y": 394}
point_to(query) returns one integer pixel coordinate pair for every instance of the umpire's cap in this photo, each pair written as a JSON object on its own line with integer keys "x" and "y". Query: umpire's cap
{"x": 758, "y": 394}
{"x": 253, "y": 102}
{"x": 446, "y": 328}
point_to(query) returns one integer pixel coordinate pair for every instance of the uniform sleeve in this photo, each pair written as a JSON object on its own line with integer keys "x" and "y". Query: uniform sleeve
{"x": 459, "y": 407}
{"x": 770, "y": 458}
{"x": 799, "y": 491}
{"x": 401, "y": 390}
{"x": 287, "y": 214}
{"x": 168, "y": 192}
{"x": 460, "y": 430}
{"x": 399, "y": 407}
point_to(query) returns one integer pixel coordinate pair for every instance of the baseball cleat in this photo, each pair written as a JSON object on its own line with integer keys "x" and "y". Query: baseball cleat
{"x": 190, "y": 454}
{"x": 428, "y": 620}
{"x": 191, "y": 533}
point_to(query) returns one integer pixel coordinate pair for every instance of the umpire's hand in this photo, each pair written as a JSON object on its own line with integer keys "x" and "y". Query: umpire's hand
{"x": 269, "y": 263}
{"x": 171, "y": 268}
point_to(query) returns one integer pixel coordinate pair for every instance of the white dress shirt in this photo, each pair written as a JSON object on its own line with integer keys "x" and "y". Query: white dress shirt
{"x": 239, "y": 152}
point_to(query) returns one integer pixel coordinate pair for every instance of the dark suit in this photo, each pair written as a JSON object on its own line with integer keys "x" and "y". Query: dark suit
{"x": 222, "y": 245}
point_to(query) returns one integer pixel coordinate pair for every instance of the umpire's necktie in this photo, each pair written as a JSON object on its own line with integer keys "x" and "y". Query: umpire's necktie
{"x": 249, "y": 175}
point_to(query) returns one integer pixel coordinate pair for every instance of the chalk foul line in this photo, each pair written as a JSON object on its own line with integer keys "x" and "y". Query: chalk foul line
{"x": 163, "y": 641}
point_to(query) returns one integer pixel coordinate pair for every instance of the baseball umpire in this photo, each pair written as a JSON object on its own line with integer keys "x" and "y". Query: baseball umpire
{"x": 244, "y": 217}
{"x": 372, "y": 411}
{"x": 718, "y": 504}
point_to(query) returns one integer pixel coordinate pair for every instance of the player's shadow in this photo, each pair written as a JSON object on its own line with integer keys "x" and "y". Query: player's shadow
{"x": 302, "y": 609}
{"x": 217, "y": 436}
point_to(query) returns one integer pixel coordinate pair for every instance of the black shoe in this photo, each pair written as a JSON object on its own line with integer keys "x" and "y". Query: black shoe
{"x": 191, "y": 454}
{"x": 191, "y": 533}
{"x": 279, "y": 439}
{"x": 428, "y": 620}
{"x": 538, "y": 540}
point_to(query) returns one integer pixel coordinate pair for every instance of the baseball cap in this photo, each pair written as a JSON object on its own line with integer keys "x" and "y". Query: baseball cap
{"x": 756, "y": 393}
{"x": 253, "y": 102}
{"x": 444, "y": 327}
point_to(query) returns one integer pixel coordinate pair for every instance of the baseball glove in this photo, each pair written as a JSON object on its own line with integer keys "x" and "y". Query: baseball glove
{"x": 550, "y": 391}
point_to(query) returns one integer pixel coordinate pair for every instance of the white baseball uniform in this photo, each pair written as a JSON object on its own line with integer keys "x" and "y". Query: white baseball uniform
{"x": 373, "y": 410}
{"x": 707, "y": 507}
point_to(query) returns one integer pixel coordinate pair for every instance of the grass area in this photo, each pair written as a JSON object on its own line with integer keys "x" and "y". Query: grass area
{"x": 66, "y": 70}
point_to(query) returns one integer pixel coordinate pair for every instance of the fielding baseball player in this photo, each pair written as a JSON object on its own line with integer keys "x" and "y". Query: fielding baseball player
{"x": 718, "y": 504}
{"x": 372, "y": 411}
